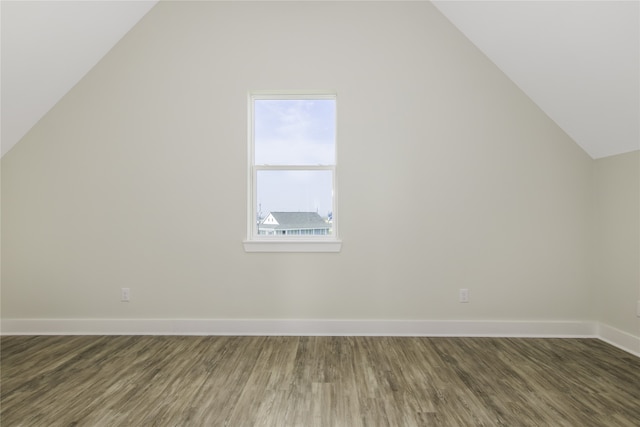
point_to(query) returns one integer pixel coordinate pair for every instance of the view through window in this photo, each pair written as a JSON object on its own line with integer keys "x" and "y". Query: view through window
{"x": 293, "y": 159}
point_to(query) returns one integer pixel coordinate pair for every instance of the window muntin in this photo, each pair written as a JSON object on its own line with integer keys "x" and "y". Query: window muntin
{"x": 292, "y": 146}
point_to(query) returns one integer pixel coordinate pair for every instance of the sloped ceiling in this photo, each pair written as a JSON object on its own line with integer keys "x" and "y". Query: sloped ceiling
{"x": 579, "y": 61}
{"x": 47, "y": 47}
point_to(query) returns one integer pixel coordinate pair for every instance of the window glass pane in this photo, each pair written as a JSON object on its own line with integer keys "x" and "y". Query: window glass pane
{"x": 294, "y": 131}
{"x": 301, "y": 202}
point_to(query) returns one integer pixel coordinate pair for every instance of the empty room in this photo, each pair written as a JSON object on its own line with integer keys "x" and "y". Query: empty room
{"x": 320, "y": 213}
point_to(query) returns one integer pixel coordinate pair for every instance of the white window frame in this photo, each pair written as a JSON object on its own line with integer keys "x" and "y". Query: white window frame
{"x": 289, "y": 243}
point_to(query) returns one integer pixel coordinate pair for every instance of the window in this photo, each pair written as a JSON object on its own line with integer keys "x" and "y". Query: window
{"x": 292, "y": 173}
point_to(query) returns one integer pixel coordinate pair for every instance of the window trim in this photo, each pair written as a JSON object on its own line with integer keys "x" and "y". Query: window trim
{"x": 301, "y": 243}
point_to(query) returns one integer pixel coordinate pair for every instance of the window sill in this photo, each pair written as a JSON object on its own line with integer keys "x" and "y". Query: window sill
{"x": 292, "y": 245}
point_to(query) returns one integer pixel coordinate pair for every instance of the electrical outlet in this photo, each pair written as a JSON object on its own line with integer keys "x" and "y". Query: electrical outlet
{"x": 464, "y": 295}
{"x": 125, "y": 294}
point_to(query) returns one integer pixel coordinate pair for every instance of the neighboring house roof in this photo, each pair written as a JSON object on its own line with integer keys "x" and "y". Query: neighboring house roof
{"x": 293, "y": 220}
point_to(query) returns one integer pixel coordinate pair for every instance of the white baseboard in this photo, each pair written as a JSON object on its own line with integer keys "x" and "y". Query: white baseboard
{"x": 306, "y": 327}
{"x": 618, "y": 338}
{"x": 451, "y": 328}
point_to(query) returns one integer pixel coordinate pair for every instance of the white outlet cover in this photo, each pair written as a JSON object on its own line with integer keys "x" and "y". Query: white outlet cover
{"x": 464, "y": 295}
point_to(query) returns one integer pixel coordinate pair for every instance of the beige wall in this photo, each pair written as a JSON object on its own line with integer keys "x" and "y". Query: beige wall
{"x": 617, "y": 262}
{"x": 449, "y": 177}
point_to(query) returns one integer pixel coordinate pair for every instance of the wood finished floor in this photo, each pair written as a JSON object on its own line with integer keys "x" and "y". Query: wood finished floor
{"x": 315, "y": 381}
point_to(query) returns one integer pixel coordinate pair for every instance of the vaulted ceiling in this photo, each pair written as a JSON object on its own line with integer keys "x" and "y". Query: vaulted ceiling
{"x": 579, "y": 61}
{"x": 47, "y": 47}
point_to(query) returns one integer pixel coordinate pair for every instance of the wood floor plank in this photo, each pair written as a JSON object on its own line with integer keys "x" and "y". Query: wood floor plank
{"x": 315, "y": 381}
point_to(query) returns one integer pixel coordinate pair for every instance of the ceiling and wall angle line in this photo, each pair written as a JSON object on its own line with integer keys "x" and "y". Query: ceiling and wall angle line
{"x": 579, "y": 61}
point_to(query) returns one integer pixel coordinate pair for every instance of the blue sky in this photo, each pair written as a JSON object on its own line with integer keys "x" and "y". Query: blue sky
{"x": 294, "y": 132}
